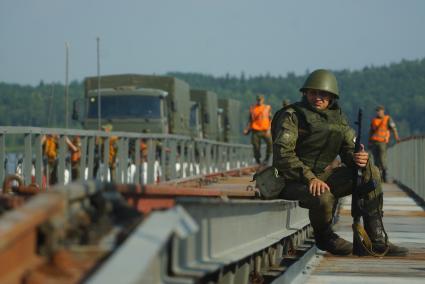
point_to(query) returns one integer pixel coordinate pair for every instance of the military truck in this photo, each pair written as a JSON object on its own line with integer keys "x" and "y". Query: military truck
{"x": 195, "y": 123}
{"x": 231, "y": 120}
{"x": 207, "y": 102}
{"x": 139, "y": 103}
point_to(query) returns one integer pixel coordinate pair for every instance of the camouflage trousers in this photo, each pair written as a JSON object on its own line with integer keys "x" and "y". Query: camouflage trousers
{"x": 256, "y": 138}
{"x": 379, "y": 152}
{"x": 322, "y": 208}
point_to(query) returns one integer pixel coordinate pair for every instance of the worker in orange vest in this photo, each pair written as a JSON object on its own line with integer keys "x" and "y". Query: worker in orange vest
{"x": 50, "y": 144}
{"x": 75, "y": 151}
{"x": 379, "y": 136}
{"x": 259, "y": 124}
{"x": 113, "y": 148}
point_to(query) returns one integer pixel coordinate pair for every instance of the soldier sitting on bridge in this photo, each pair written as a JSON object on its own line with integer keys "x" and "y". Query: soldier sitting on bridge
{"x": 307, "y": 137}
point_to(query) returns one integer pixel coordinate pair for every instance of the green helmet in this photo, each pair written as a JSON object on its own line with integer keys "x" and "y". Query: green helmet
{"x": 322, "y": 80}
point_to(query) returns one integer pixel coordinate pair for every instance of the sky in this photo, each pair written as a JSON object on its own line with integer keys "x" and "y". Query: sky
{"x": 210, "y": 37}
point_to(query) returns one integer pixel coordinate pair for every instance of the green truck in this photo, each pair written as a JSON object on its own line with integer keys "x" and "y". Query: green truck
{"x": 160, "y": 104}
{"x": 139, "y": 103}
{"x": 207, "y": 108}
{"x": 231, "y": 120}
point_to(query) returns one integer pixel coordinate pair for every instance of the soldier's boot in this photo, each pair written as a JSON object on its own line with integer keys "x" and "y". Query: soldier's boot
{"x": 329, "y": 241}
{"x": 375, "y": 230}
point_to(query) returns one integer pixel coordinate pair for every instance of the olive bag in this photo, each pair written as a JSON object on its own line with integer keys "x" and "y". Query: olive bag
{"x": 269, "y": 183}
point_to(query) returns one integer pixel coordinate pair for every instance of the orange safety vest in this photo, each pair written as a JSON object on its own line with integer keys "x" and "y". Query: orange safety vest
{"x": 379, "y": 128}
{"x": 143, "y": 149}
{"x": 260, "y": 117}
{"x": 112, "y": 149}
{"x": 50, "y": 148}
{"x": 76, "y": 155}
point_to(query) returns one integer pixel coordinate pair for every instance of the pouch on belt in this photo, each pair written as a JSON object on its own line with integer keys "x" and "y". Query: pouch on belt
{"x": 269, "y": 183}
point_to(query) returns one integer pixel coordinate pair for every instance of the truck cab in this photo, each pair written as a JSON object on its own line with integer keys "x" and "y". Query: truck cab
{"x": 138, "y": 103}
{"x": 129, "y": 109}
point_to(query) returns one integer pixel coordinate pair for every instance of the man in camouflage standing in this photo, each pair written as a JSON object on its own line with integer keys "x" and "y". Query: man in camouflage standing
{"x": 259, "y": 125}
{"x": 379, "y": 136}
{"x": 307, "y": 137}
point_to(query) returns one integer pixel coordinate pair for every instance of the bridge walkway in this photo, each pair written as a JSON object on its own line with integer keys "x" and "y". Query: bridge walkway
{"x": 404, "y": 221}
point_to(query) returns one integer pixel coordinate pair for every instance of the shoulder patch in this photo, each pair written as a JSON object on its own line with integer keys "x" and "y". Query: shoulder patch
{"x": 290, "y": 110}
{"x": 287, "y": 137}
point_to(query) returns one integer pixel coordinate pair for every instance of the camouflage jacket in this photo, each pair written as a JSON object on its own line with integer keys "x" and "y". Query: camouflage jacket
{"x": 306, "y": 141}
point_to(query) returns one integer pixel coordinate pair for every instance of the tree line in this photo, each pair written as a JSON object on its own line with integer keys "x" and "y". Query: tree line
{"x": 400, "y": 87}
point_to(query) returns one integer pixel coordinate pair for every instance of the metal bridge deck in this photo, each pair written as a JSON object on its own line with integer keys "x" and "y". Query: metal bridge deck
{"x": 404, "y": 221}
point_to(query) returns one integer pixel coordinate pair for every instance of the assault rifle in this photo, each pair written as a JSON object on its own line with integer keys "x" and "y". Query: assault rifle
{"x": 356, "y": 211}
{"x": 359, "y": 233}
{"x": 362, "y": 245}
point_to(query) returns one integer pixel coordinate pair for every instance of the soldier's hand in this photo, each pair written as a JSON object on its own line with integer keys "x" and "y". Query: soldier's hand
{"x": 361, "y": 158}
{"x": 317, "y": 187}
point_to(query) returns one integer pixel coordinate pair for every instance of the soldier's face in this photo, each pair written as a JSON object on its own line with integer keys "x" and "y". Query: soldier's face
{"x": 380, "y": 113}
{"x": 260, "y": 101}
{"x": 318, "y": 99}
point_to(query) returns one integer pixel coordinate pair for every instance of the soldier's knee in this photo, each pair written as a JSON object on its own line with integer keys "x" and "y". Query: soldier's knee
{"x": 321, "y": 202}
{"x": 326, "y": 200}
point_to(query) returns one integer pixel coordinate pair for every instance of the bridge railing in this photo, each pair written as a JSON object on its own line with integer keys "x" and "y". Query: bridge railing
{"x": 140, "y": 158}
{"x": 406, "y": 164}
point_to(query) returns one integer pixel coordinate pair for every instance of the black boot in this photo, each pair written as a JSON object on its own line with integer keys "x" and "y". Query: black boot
{"x": 331, "y": 242}
{"x": 384, "y": 175}
{"x": 375, "y": 230}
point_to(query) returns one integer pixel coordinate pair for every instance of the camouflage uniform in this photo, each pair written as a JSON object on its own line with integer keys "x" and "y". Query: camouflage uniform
{"x": 305, "y": 144}
{"x": 256, "y": 138}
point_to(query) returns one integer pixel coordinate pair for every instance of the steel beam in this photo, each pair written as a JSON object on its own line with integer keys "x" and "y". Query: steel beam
{"x": 202, "y": 237}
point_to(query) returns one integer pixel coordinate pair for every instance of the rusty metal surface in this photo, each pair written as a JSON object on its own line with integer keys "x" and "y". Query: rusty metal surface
{"x": 146, "y": 198}
{"x": 55, "y": 238}
{"x": 203, "y": 180}
{"x": 161, "y": 190}
{"x": 74, "y": 219}
{"x": 230, "y": 184}
{"x": 404, "y": 221}
{"x": 18, "y": 235}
